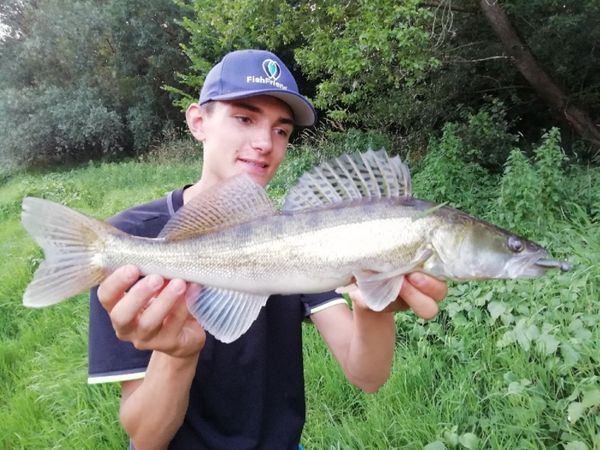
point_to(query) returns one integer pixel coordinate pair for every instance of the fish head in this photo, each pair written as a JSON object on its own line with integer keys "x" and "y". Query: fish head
{"x": 466, "y": 248}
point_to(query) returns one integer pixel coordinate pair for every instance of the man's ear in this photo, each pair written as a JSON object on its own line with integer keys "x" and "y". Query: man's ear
{"x": 195, "y": 121}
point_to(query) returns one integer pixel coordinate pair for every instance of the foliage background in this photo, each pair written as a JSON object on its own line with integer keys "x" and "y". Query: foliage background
{"x": 89, "y": 79}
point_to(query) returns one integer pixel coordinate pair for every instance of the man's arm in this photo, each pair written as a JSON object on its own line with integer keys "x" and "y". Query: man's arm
{"x": 363, "y": 341}
{"x": 152, "y": 314}
{"x": 153, "y": 409}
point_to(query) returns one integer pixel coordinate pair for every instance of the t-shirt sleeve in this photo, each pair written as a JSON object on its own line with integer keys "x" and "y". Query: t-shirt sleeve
{"x": 109, "y": 358}
{"x": 314, "y": 303}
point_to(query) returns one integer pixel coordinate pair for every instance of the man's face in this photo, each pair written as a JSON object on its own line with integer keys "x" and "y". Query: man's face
{"x": 248, "y": 135}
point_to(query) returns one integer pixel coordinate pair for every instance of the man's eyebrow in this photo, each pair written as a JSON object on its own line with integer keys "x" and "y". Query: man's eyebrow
{"x": 256, "y": 109}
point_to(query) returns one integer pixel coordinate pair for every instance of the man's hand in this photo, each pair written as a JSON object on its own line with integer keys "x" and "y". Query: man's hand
{"x": 151, "y": 313}
{"x": 419, "y": 292}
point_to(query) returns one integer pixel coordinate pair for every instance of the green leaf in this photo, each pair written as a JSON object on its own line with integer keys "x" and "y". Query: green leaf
{"x": 469, "y": 440}
{"x": 569, "y": 354}
{"x": 451, "y": 437}
{"x": 576, "y": 445}
{"x": 509, "y": 377}
{"x": 591, "y": 398}
{"x": 436, "y": 445}
{"x": 515, "y": 387}
{"x": 496, "y": 309}
{"x": 525, "y": 334}
{"x": 547, "y": 343}
{"x": 575, "y": 411}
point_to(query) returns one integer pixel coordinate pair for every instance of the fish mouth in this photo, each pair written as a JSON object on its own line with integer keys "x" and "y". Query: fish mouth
{"x": 534, "y": 265}
{"x": 545, "y": 264}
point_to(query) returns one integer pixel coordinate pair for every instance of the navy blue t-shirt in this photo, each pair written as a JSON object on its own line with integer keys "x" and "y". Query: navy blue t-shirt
{"x": 245, "y": 395}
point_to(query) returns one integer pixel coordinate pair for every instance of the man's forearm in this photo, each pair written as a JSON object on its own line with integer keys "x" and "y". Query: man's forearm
{"x": 371, "y": 350}
{"x": 154, "y": 411}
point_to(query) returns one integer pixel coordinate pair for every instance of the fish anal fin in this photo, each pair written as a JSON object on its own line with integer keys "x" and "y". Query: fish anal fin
{"x": 226, "y": 314}
{"x": 237, "y": 200}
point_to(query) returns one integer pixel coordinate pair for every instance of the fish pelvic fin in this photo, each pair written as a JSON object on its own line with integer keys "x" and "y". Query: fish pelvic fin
{"x": 237, "y": 200}
{"x": 226, "y": 314}
{"x": 70, "y": 241}
{"x": 368, "y": 175}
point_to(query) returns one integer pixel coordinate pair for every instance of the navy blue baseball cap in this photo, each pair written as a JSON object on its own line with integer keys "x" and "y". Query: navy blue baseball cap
{"x": 246, "y": 73}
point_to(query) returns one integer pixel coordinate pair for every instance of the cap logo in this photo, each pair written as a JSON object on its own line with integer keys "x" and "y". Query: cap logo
{"x": 272, "y": 69}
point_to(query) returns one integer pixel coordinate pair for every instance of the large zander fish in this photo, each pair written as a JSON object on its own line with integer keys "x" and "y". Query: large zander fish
{"x": 350, "y": 218}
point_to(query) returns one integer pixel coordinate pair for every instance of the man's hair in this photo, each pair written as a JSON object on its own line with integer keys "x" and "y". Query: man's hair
{"x": 208, "y": 107}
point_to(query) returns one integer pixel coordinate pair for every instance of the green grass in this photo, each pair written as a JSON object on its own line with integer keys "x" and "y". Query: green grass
{"x": 504, "y": 365}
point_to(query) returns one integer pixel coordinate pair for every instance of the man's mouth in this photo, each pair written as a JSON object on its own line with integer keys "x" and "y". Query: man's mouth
{"x": 253, "y": 163}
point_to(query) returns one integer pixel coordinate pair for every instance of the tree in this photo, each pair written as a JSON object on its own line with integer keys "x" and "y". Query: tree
{"x": 55, "y": 101}
{"x": 355, "y": 57}
{"x": 527, "y": 64}
{"x": 145, "y": 56}
{"x": 83, "y": 79}
{"x": 540, "y": 60}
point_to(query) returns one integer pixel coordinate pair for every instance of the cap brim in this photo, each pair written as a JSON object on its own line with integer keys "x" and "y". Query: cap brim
{"x": 304, "y": 113}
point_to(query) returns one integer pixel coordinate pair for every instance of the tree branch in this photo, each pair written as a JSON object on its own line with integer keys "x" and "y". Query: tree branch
{"x": 462, "y": 9}
{"x": 465, "y": 61}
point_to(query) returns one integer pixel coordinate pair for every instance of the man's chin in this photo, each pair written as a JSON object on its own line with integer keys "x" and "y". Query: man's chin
{"x": 260, "y": 179}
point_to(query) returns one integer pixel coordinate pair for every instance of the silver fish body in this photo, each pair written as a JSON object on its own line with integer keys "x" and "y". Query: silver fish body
{"x": 353, "y": 219}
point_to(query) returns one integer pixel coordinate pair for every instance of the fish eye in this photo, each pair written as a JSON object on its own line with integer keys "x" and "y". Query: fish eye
{"x": 515, "y": 244}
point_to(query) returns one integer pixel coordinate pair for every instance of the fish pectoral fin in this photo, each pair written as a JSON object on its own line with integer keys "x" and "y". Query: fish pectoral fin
{"x": 226, "y": 314}
{"x": 379, "y": 289}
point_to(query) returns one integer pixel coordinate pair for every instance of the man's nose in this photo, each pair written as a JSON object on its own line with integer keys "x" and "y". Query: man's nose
{"x": 262, "y": 139}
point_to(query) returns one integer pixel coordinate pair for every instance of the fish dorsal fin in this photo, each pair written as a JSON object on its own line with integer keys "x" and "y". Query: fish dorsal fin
{"x": 237, "y": 200}
{"x": 368, "y": 175}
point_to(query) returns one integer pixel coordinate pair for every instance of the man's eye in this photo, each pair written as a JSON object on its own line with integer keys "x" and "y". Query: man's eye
{"x": 243, "y": 119}
{"x": 282, "y": 132}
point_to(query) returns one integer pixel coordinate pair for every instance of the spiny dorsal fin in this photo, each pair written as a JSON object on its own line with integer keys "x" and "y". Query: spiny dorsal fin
{"x": 238, "y": 200}
{"x": 370, "y": 175}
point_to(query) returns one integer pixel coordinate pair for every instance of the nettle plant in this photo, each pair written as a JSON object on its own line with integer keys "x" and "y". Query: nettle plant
{"x": 532, "y": 195}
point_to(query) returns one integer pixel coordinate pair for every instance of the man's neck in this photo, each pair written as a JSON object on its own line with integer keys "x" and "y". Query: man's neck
{"x": 196, "y": 189}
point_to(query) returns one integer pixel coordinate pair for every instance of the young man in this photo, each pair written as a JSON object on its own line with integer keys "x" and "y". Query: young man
{"x": 181, "y": 388}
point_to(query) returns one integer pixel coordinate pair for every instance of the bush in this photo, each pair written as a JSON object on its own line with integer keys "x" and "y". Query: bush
{"x": 486, "y": 135}
{"x": 446, "y": 176}
{"x": 42, "y": 126}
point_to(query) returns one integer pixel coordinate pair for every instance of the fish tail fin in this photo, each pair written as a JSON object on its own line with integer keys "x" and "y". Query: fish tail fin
{"x": 70, "y": 241}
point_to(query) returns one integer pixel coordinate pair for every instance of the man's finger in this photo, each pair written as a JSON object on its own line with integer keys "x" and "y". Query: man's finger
{"x": 126, "y": 311}
{"x": 153, "y": 316}
{"x": 431, "y": 287}
{"x": 114, "y": 286}
{"x": 422, "y": 305}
